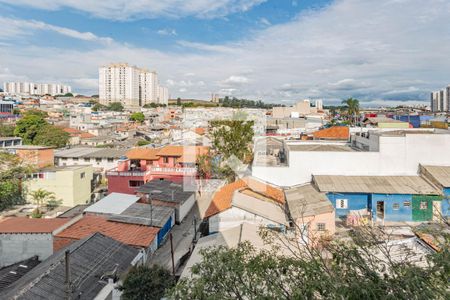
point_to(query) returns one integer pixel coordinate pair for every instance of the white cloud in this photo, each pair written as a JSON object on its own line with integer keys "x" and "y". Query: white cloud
{"x": 167, "y": 31}
{"x": 125, "y": 9}
{"x": 17, "y": 27}
{"x": 373, "y": 50}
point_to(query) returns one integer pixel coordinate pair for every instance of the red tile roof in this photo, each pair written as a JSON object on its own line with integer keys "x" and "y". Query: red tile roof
{"x": 223, "y": 197}
{"x": 333, "y": 133}
{"x": 28, "y": 225}
{"x": 130, "y": 234}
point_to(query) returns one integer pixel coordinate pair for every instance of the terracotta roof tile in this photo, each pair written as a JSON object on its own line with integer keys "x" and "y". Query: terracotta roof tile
{"x": 142, "y": 153}
{"x": 28, "y": 225}
{"x": 333, "y": 133}
{"x": 200, "y": 130}
{"x": 86, "y": 135}
{"x": 223, "y": 197}
{"x": 130, "y": 234}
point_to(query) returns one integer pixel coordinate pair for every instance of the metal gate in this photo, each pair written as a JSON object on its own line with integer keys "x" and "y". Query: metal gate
{"x": 422, "y": 207}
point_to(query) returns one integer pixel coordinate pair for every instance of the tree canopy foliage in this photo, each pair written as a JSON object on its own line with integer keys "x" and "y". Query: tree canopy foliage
{"x": 137, "y": 117}
{"x": 364, "y": 267}
{"x": 147, "y": 283}
{"x": 35, "y": 130}
{"x": 11, "y": 173}
{"x": 6, "y": 130}
{"x": 241, "y": 103}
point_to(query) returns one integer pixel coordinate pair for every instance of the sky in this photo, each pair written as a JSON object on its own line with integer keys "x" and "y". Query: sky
{"x": 385, "y": 52}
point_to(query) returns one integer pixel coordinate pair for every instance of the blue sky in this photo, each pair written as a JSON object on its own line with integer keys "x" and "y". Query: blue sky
{"x": 386, "y": 51}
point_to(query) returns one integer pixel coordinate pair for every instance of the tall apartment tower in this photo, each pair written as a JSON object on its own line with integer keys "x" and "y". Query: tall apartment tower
{"x": 28, "y": 88}
{"x": 163, "y": 95}
{"x": 119, "y": 83}
{"x": 148, "y": 87}
{"x": 440, "y": 100}
{"x": 319, "y": 104}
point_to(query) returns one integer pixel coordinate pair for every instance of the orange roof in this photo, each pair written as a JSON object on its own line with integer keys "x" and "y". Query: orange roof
{"x": 71, "y": 130}
{"x": 142, "y": 153}
{"x": 200, "y": 130}
{"x": 223, "y": 197}
{"x": 182, "y": 150}
{"x": 28, "y": 225}
{"x": 190, "y": 153}
{"x": 130, "y": 234}
{"x": 86, "y": 135}
{"x": 333, "y": 133}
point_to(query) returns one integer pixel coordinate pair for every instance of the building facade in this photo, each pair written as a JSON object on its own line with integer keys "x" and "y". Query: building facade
{"x": 39, "y": 89}
{"x": 130, "y": 85}
{"x": 440, "y": 100}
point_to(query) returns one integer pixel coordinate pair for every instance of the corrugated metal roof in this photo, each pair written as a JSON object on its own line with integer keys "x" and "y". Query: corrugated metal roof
{"x": 90, "y": 153}
{"x": 441, "y": 174}
{"x": 320, "y": 147}
{"x": 375, "y": 184}
{"x": 305, "y": 201}
{"x": 114, "y": 203}
{"x": 144, "y": 214}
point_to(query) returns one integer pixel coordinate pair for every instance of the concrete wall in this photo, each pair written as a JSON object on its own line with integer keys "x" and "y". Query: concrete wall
{"x": 235, "y": 216}
{"x": 445, "y": 207}
{"x": 17, "y": 247}
{"x": 403, "y": 213}
{"x": 397, "y": 156}
{"x": 69, "y": 185}
{"x": 185, "y": 208}
{"x": 329, "y": 219}
{"x": 102, "y": 164}
{"x": 354, "y": 202}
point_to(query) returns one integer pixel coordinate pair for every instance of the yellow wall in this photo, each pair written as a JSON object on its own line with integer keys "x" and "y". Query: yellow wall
{"x": 67, "y": 185}
{"x": 393, "y": 125}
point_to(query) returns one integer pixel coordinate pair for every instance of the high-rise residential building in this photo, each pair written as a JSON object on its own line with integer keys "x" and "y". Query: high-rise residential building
{"x": 119, "y": 83}
{"x": 130, "y": 85}
{"x": 148, "y": 87}
{"x": 440, "y": 100}
{"x": 28, "y": 88}
{"x": 319, "y": 104}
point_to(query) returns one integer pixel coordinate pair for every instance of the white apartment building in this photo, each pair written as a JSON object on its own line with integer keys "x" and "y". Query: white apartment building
{"x": 163, "y": 95}
{"x": 440, "y": 100}
{"x": 148, "y": 87}
{"x": 39, "y": 89}
{"x": 130, "y": 85}
{"x": 319, "y": 104}
{"x": 119, "y": 83}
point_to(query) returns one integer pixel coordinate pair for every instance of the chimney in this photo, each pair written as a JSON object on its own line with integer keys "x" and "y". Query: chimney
{"x": 123, "y": 164}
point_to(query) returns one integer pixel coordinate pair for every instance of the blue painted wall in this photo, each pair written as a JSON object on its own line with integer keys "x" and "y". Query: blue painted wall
{"x": 446, "y": 203}
{"x": 164, "y": 231}
{"x": 403, "y": 213}
{"x": 354, "y": 202}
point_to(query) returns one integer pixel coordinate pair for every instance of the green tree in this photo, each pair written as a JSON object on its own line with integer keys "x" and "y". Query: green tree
{"x": 53, "y": 136}
{"x": 362, "y": 267}
{"x": 41, "y": 197}
{"x": 179, "y": 101}
{"x": 28, "y": 127}
{"x": 352, "y": 108}
{"x": 115, "y": 106}
{"x": 147, "y": 283}
{"x": 137, "y": 117}
{"x": 6, "y": 130}
{"x": 142, "y": 143}
{"x": 68, "y": 95}
{"x": 98, "y": 107}
{"x": 12, "y": 173}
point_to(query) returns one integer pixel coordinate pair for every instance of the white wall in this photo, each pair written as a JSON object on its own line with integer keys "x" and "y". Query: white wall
{"x": 397, "y": 156}
{"x": 185, "y": 208}
{"x": 103, "y": 164}
{"x": 235, "y": 216}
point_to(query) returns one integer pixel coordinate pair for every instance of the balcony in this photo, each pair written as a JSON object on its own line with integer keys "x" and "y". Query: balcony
{"x": 173, "y": 170}
{"x": 136, "y": 173}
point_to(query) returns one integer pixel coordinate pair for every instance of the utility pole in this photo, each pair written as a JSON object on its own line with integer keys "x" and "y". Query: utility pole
{"x": 67, "y": 281}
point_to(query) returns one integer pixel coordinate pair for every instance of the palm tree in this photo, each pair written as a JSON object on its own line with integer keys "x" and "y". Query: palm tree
{"x": 40, "y": 197}
{"x": 352, "y": 108}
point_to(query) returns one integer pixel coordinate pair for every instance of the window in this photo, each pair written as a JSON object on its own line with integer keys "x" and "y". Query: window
{"x": 75, "y": 159}
{"x": 98, "y": 160}
{"x": 87, "y": 159}
{"x": 110, "y": 160}
{"x": 82, "y": 175}
{"x": 165, "y": 159}
{"x": 135, "y": 183}
{"x": 423, "y": 205}
{"x": 320, "y": 226}
{"x": 341, "y": 203}
{"x": 407, "y": 204}
{"x": 395, "y": 206}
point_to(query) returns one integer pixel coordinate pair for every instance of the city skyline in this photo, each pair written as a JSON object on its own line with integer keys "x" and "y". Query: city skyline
{"x": 278, "y": 51}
